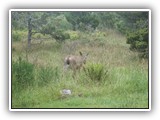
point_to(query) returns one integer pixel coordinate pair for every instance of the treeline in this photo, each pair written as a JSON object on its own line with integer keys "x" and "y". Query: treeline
{"x": 133, "y": 24}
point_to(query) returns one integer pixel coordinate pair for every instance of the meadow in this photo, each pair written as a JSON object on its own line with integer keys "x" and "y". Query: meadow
{"x": 38, "y": 75}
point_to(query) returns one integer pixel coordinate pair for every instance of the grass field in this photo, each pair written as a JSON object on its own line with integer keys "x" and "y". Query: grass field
{"x": 124, "y": 86}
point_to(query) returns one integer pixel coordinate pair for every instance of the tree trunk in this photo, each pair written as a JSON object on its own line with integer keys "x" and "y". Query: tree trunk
{"x": 29, "y": 32}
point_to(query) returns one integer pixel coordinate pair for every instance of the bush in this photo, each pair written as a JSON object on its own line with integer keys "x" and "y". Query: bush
{"x": 37, "y": 36}
{"x": 22, "y": 74}
{"x": 16, "y": 36}
{"x": 74, "y": 35}
{"x": 96, "y": 71}
{"x": 60, "y": 36}
{"x": 139, "y": 41}
{"x": 61, "y": 23}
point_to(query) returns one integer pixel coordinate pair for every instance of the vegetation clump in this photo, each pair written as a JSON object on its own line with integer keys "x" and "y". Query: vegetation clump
{"x": 23, "y": 74}
{"x": 96, "y": 72}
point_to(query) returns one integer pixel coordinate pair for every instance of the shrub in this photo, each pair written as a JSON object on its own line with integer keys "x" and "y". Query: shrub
{"x": 60, "y": 22}
{"x": 60, "y": 36}
{"x": 37, "y": 36}
{"x": 16, "y": 36}
{"x": 74, "y": 35}
{"x": 138, "y": 40}
{"x": 96, "y": 71}
{"x": 22, "y": 74}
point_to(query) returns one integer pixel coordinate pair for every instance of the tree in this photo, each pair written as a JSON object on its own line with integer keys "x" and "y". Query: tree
{"x": 135, "y": 26}
{"x": 29, "y": 31}
{"x": 51, "y": 23}
{"x": 19, "y": 20}
{"x": 82, "y": 20}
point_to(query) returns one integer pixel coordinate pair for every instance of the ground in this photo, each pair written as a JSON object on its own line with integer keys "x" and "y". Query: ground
{"x": 125, "y": 86}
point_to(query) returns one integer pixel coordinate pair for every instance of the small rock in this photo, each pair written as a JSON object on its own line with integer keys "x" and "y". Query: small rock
{"x": 65, "y": 92}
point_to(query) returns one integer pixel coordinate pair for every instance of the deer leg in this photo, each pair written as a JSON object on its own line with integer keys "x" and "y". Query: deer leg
{"x": 74, "y": 74}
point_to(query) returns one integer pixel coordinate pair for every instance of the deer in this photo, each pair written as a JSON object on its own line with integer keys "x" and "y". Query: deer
{"x": 75, "y": 63}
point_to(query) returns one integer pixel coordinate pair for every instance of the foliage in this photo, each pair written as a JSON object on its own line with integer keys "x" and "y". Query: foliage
{"x": 55, "y": 24}
{"x": 16, "y": 36}
{"x": 138, "y": 37}
{"x": 46, "y": 75}
{"x": 139, "y": 41}
{"x": 60, "y": 36}
{"x": 133, "y": 24}
{"x": 37, "y": 36}
{"x": 125, "y": 84}
{"x": 23, "y": 74}
{"x": 74, "y": 35}
{"x": 19, "y": 20}
{"x": 107, "y": 19}
{"x": 61, "y": 23}
{"x": 96, "y": 71}
{"x": 82, "y": 20}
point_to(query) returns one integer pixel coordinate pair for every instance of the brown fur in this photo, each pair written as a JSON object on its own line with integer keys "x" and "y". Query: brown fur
{"x": 75, "y": 62}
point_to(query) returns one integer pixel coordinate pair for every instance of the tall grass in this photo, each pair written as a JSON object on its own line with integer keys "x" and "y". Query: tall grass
{"x": 121, "y": 76}
{"x": 96, "y": 72}
{"x": 23, "y": 74}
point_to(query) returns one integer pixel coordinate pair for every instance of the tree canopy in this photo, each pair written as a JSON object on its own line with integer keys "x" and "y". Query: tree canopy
{"x": 133, "y": 24}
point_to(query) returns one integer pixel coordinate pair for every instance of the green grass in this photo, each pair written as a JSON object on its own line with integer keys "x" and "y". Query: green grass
{"x": 126, "y": 84}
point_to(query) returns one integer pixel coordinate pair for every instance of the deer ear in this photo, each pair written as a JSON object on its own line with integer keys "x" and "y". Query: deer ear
{"x": 80, "y": 53}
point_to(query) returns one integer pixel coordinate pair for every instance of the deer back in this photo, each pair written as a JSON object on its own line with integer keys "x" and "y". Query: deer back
{"x": 75, "y": 62}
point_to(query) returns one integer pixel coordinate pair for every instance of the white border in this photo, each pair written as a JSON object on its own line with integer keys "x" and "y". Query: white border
{"x": 10, "y": 55}
{"x": 79, "y": 10}
{"x": 118, "y": 109}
